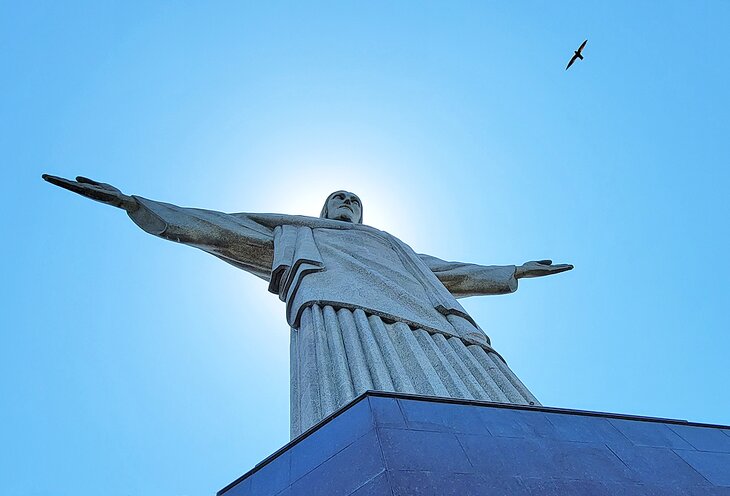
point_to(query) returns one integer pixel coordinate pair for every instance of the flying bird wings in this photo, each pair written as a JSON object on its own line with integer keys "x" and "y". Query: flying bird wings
{"x": 577, "y": 54}
{"x": 572, "y": 59}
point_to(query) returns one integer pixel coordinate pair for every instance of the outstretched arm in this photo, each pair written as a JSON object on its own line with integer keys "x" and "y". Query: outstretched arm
{"x": 236, "y": 239}
{"x": 465, "y": 279}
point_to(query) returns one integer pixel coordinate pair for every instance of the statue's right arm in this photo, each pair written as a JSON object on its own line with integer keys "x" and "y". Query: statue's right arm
{"x": 237, "y": 239}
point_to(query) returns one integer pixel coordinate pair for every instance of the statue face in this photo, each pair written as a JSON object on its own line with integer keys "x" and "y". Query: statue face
{"x": 343, "y": 205}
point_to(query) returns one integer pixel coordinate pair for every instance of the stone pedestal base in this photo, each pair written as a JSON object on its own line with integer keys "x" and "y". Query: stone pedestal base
{"x": 400, "y": 445}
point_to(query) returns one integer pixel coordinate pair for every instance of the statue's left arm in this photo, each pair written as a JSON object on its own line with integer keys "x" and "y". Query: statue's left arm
{"x": 466, "y": 279}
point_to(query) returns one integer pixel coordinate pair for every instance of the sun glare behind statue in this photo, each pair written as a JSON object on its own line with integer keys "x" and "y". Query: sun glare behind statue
{"x": 302, "y": 181}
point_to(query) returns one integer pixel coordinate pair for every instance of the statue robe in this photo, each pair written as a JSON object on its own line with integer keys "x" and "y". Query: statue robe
{"x": 365, "y": 311}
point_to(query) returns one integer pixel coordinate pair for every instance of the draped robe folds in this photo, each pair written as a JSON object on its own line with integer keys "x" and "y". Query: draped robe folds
{"x": 365, "y": 311}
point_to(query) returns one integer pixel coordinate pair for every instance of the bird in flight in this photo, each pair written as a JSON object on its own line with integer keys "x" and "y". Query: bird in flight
{"x": 577, "y": 54}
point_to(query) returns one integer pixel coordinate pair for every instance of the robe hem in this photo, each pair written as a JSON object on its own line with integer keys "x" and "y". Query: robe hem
{"x": 392, "y": 319}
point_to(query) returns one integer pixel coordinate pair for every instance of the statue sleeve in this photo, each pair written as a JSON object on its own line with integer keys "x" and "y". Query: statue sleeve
{"x": 465, "y": 279}
{"x": 235, "y": 238}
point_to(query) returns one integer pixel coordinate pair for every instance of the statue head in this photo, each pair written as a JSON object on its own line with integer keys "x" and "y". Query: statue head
{"x": 343, "y": 205}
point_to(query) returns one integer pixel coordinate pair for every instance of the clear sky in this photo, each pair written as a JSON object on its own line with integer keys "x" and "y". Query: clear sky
{"x": 134, "y": 366}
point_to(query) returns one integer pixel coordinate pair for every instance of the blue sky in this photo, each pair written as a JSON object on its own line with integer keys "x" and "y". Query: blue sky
{"x": 133, "y": 366}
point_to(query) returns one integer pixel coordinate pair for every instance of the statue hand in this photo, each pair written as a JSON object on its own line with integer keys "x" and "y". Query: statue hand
{"x": 540, "y": 268}
{"x": 101, "y": 192}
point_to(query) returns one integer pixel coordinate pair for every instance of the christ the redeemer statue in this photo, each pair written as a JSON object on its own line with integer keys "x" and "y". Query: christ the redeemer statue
{"x": 365, "y": 310}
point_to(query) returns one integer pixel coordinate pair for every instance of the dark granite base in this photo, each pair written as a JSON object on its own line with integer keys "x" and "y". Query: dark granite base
{"x": 401, "y": 445}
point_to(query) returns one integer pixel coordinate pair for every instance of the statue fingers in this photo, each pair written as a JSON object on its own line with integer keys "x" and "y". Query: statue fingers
{"x": 545, "y": 262}
{"x": 110, "y": 195}
{"x": 54, "y": 179}
{"x": 86, "y": 180}
{"x": 558, "y": 268}
{"x": 65, "y": 183}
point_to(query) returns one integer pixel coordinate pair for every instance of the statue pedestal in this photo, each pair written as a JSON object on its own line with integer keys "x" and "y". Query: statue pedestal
{"x": 397, "y": 444}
